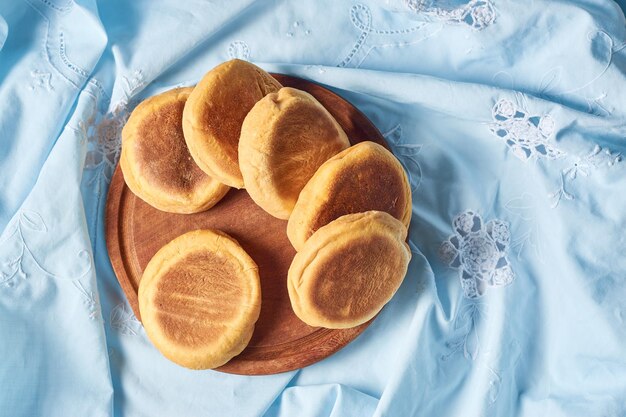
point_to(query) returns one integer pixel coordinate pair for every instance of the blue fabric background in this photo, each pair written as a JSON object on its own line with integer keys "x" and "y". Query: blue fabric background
{"x": 509, "y": 117}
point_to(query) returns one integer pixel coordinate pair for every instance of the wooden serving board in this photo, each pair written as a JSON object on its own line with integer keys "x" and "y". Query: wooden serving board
{"x": 281, "y": 342}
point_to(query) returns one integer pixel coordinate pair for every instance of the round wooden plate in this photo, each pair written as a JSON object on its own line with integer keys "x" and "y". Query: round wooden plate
{"x": 281, "y": 342}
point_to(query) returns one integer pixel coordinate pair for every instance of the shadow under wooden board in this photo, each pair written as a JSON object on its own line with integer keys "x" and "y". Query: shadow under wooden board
{"x": 281, "y": 342}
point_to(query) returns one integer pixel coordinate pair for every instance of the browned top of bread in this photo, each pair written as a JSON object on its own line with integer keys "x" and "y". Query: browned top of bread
{"x": 215, "y": 112}
{"x": 163, "y": 151}
{"x": 156, "y": 162}
{"x": 348, "y": 270}
{"x": 187, "y": 314}
{"x": 199, "y": 299}
{"x": 364, "y": 177}
{"x": 284, "y": 139}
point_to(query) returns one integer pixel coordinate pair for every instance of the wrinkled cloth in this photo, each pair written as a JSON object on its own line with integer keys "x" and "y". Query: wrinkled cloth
{"x": 509, "y": 118}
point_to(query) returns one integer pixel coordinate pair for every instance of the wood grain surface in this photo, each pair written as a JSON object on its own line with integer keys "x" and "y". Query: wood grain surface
{"x": 281, "y": 342}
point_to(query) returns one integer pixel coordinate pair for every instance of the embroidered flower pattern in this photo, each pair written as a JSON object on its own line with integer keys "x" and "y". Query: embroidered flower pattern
{"x": 371, "y": 37}
{"x": 239, "y": 50}
{"x": 479, "y": 252}
{"x": 583, "y": 166}
{"x": 90, "y": 300}
{"x": 26, "y": 223}
{"x": 407, "y": 155}
{"x": 525, "y": 135}
{"x": 103, "y": 132}
{"x": 124, "y": 321}
{"x": 103, "y": 135}
{"x": 528, "y": 233}
{"x": 299, "y": 29}
{"x": 41, "y": 80}
{"x": 478, "y": 14}
{"x": 466, "y": 339}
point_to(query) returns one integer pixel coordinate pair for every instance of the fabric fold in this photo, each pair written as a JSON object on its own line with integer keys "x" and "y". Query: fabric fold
{"x": 507, "y": 117}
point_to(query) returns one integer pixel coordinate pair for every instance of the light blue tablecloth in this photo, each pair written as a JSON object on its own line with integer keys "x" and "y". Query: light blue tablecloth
{"x": 509, "y": 116}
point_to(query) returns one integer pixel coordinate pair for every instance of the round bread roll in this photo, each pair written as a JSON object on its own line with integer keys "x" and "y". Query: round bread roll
{"x": 215, "y": 111}
{"x": 348, "y": 270}
{"x": 199, "y": 298}
{"x": 363, "y": 177}
{"x": 284, "y": 139}
{"x": 156, "y": 163}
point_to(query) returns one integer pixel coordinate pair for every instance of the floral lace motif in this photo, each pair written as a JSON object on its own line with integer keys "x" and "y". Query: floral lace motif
{"x": 103, "y": 136}
{"x": 479, "y": 252}
{"x": 478, "y": 14}
{"x": 527, "y": 136}
{"x": 103, "y": 132}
